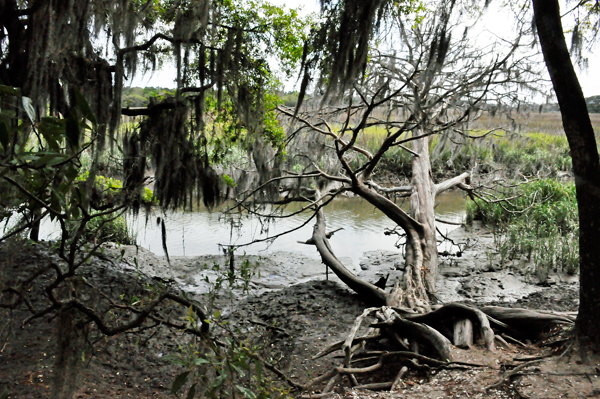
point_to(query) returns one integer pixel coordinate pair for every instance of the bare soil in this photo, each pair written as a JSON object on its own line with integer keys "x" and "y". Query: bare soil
{"x": 306, "y": 317}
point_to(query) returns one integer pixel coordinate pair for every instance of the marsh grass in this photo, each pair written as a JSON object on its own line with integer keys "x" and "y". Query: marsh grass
{"x": 546, "y": 122}
{"x": 514, "y": 153}
{"x": 539, "y": 225}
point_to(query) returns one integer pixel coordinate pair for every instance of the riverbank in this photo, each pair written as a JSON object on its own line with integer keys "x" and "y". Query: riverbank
{"x": 472, "y": 274}
{"x": 288, "y": 308}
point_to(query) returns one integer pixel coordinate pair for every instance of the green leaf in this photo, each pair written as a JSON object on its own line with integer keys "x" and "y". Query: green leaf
{"x": 237, "y": 369}
{"x": 218, "y": 382}
{"x": 71, "y": 172}
{"x": 180, "y": 381}
{"x": 49, "y": 160}
{"x": 201, "y": 360}
{"x": 84, "y": 107}
{"x": 247, "y": 393}
{"x": 191, "y": 392}
{"x": 76, "y": 213}
{"x": 12, "y": 91}
{"x": 55, "y": 200}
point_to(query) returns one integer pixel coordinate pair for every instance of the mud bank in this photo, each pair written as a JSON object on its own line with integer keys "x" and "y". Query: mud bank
{"x": 287, "y": 291}
{"x": 472, "y": 274}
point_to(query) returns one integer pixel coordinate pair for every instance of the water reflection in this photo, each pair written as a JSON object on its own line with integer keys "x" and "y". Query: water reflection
{"x": 201, "y": 232}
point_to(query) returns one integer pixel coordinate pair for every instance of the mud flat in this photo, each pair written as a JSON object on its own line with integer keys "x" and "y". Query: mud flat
{"x": 287, "y": 290}
{"x": 470, "y": 275}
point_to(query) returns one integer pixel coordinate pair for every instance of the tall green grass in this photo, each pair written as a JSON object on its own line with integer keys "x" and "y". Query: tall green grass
{"x": 539, "y": 225}
{"x": 527, "y": 154}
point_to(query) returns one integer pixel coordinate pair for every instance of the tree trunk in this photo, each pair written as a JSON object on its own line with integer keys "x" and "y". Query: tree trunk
{"x": 586, "y": 166}
{"x": 422, "y": 203}
{"x": 367, "y": 291}
{"x": 413, "y": 294}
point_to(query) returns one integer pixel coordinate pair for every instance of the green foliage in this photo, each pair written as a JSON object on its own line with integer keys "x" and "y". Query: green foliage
{"x": 289, "y": 99}
{"x": 109, "y": 188}
{"x": 281, "y": 31}
{"x": 148, "y": 196}
{"x": 273, "y": 131}
{"x": 537, "y": 221}
{"x": 229, "y": 181}
{"x": 108, "y": 229}
{"x": 233, "y": 369}
{"x": 234, "y": 366}
{"x": 593, "y": 104}
{"x": 40, "y": 162}
{"x": 42, "y": 175}
{"x": 142, "y": 96}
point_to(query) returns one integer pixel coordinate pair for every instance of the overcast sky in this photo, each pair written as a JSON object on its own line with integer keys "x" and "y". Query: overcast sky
{"x": 589, "y": 78}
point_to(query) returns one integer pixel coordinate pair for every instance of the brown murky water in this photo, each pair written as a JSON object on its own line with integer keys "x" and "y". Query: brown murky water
{"x": 201, "y": 232}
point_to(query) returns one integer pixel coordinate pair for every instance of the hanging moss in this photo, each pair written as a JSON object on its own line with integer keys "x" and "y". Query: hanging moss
{"x": 223, "y": 46}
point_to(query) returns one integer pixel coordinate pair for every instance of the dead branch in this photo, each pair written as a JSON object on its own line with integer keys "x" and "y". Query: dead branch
{"x": 454, "y": 311}
{"x": 451, "y": 183}
{"x": 407, "y": 190}
{"x": 525, "y": 322}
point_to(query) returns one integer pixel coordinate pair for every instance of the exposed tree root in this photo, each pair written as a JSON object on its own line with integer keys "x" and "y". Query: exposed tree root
{"x": 417, "y": 339}
{"x": 432, "y": 337}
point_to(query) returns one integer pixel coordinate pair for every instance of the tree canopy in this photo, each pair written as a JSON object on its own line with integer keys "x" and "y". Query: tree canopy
{"x": 222, "y": 51}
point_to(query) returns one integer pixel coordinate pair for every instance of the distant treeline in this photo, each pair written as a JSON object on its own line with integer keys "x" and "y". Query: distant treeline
{"x": 593, "y": 104}
{"x": 139, "y": 96}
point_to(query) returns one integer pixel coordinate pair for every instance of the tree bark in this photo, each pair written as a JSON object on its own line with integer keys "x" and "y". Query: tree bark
{"x": 422, "y": 203}
{"x": 367, "y": 291}
{"x": 586, "y": 166}
{"x": 414, "y": 292}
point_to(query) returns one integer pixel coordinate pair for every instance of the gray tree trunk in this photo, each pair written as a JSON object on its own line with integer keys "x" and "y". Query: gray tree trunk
{"x": 422, "y": 202}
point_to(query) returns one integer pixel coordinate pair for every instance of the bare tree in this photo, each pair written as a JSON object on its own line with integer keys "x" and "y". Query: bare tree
{"x": 419, "y": 84}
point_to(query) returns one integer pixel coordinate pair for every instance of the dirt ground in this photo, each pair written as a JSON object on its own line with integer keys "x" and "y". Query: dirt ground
{"x": 308, "y": 316}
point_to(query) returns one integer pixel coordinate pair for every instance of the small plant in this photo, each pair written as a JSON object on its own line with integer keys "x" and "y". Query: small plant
{"x": 108, "y": 229}
{"x": 230, "y": 369}
{"x": 227, "y": 366}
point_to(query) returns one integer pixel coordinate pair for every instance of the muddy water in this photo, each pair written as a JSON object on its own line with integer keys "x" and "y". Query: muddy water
{"x": 200, "y": 233}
